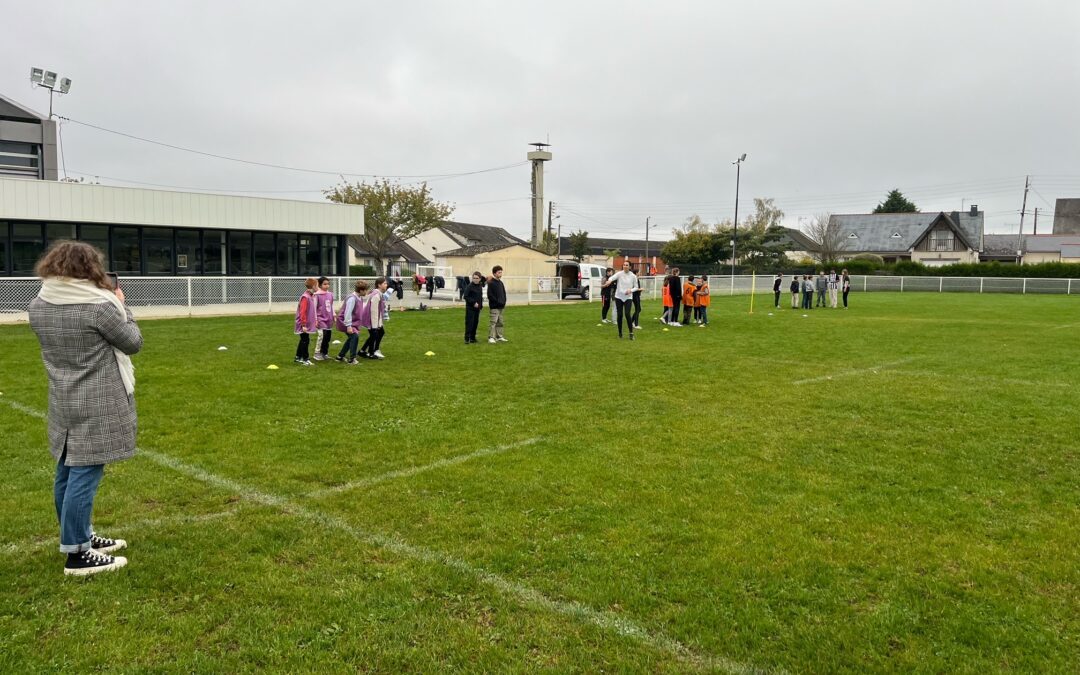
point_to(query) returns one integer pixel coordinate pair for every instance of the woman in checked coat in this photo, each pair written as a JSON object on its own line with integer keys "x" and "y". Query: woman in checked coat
{"x": 86, "y": 335}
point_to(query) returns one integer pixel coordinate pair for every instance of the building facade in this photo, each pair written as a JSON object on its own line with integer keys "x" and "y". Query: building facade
{"x": 27, "y": 142}
{"x": 163, "y": 233}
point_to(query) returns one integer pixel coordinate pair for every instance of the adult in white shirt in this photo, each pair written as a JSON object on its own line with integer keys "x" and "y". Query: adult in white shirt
{"x": 625, "y": 282}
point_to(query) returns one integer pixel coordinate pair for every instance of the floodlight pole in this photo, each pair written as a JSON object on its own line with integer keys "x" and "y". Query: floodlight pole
{"x": 735, "y": 225}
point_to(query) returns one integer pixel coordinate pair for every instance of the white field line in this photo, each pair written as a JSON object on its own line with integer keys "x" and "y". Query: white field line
{"x": 990, "y": 379}
{"x": 123, "y": 531}
{"x": 525, "y": 594}
{"x": 1068, "y": 325}
{"x": 858, "y": 371}
{"x": 412, "y": 471}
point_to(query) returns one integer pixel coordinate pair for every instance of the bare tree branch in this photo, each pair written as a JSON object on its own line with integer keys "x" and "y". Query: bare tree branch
{"x": 825, "y": 232}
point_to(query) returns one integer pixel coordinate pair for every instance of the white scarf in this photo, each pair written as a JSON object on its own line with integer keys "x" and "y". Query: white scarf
{"x": 64, "y": 291}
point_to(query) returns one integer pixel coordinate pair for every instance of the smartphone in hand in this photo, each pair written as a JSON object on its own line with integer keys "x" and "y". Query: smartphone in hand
{"x": 114, "y": 280}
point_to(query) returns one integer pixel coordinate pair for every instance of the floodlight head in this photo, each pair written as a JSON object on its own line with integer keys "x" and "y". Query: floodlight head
{"x": 65, "y": 85}
{"x": 50, "y": 79}
{"x": 37, "y": 75}
{"x": 743, "y": 158}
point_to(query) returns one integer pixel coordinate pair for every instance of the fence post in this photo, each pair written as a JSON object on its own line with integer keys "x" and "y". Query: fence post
{"x": 269, "y": 294}
{"x": 1068, "y": 289}
{"x": 189, "y": 295}
{"x": 864, "y": 283}
{"x": 940, "y": 282}
{"x": 901, "y": 284}
{"x": 1024, "y": 291}
{"x": 981, "y": 280}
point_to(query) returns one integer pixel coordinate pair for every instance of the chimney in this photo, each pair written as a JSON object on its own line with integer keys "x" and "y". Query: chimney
{"x": 974, "y": 210}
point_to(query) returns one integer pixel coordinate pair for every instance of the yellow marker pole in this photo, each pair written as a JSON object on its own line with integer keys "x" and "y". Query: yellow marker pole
{"x": 753, "y": 287}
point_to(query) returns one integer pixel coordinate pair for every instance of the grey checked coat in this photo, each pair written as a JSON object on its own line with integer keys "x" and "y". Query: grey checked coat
{"x": 89, "y": 409}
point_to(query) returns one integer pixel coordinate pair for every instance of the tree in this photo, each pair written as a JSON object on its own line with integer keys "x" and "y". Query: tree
{"x": 612, "y": 253}
{"x": 765, "y": 215}
{"x": 550, "y": 243}
{"x": 579, "y": 245}
{"x": 828, "y": 237}
{"x": 698, "y": 243}
{"x": 763, "y": 250}
{"x": 392, "y": 212}
{"x": 896, "y": 202}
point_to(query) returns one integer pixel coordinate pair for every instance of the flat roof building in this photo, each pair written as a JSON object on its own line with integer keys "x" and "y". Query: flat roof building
{"x": 27, "y": 142}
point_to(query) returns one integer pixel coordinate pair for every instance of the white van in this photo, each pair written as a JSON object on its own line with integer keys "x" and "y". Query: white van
{"x": 580, "y": 279}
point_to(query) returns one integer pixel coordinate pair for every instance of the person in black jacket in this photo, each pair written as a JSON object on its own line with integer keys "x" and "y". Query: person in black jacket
{"x": 430, "y": 286}
{"x": 474, "y": 301}
{"x": 675, "y": 288}
{"x": 496, "y": 293}
{"x": 606, "y": 292}
{"x": 777, "y": 280}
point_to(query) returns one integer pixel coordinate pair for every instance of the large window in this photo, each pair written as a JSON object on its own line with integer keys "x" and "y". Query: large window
{"x": 309, "y": 254}
{"x": 214, "y": 252}
{"x": 57, "y": 231}
{"x": 941, "y": 240}
{"x": 329, "y": 254}
{"x": 97, "y": 235}
{"x": 158, "y": 249}
{"x": 125, "y": 250}
{"x": 288, "y": 255}
{"x": 264, "y": 254}
{"x": 239, "y": 253}
{"x": 188, "y": 258}
{"x": 20, "y": 159}
{"x": 3, "y": 247}
{"x": 27, "y": 244}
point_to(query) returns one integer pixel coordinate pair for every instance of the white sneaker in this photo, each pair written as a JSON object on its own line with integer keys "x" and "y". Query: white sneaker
{"x": 378, "y": 354}
{"x": 637, "y": 327}
{"x": 502, "y": 339}
{"x": 319, "y": 357}
{"x": 676, "y": 324}
{"x": 492, "y": 341}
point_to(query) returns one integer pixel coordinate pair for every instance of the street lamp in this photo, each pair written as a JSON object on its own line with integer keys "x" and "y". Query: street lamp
{"x": 48, "y": 79}
{"x": 735, "y": 227}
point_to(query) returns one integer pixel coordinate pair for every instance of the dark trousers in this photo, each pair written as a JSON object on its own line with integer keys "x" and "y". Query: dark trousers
{"x": 687, "y": 309}
{"x": 674, "y": 311}
{"x": 776, "y": 299}
{"x": 302, "y": 348}
{"x": 605, "y": 306}
{"x": 324, "y": 346}
{"x": 374, "y": 339}
{"x": 821, "y": 297}
{"x": 845, "y": 298}
{"x": 349, "y": 348}
{"x": 623, "y": 308}
{"x": 637, "y": 308}
{"x": 472, "y": 319}
{"x": 807, "y": 299}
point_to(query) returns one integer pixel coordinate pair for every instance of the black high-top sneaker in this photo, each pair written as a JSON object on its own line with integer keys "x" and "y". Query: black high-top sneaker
{"x": 106, "y": 545}
{"x": 92, "y": 562}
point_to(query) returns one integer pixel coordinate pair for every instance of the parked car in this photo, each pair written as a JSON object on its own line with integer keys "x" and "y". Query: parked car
{"x": 579, "y": 279}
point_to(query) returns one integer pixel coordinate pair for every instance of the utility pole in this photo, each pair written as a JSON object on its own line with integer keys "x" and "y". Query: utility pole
{"x": 648, "y": 264}
{"x": 1036, "y": 228}
{"x": 538, "y": 157}
{"x": 1023, "y": 210}
{"x": 551, "y": 207}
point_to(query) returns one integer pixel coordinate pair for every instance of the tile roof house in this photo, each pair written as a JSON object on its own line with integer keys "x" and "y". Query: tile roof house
{"x": 934, "y": 238}
{"x": 1051, "y": 248}
{"x": 400, "y": 258}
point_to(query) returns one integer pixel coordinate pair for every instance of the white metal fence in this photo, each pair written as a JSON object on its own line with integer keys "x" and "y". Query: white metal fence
{"x": 193, "y": 296}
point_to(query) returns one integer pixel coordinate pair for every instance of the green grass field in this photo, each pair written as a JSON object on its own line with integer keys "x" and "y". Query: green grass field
{"x": 895, "y": 487}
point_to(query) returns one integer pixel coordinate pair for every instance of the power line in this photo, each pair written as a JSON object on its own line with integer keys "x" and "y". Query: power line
{"x": 290, "y": 168}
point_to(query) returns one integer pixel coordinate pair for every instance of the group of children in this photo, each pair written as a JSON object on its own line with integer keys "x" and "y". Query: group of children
{"x": 827, "y": 286}
{"x": 366, "y": 307}
{"x": 693, "y": 295}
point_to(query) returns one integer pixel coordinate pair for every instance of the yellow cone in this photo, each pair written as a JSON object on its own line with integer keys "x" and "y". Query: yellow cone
{"x": 429, "y": 353}
{"x": 271, "y": 367}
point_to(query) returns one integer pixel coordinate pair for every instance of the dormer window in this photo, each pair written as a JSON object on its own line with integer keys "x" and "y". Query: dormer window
{"x": 852, "y": 235}
{"x": 895, "y": 235}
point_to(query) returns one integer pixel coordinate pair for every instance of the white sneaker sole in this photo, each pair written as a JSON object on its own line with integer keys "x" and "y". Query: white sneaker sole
{"x": 117, "y": 563}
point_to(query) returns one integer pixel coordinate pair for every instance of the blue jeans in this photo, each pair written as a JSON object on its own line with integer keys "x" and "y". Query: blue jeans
{"x": 350, "y": 346}
{"x": 704, "y": 312}
{"x": 74, "y": 491}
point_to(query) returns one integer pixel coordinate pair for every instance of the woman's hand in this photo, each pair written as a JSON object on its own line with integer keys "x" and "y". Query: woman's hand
{"x": 119, "y": 293}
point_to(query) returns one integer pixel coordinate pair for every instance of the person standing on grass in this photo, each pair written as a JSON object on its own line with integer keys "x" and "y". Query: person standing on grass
{"x": 324, "y": 318}
{"x": 623, "y": 284}
{"x": 373, "y": 308}
{"x": 605, "y": 295}
{"x": 87, "y": 336}
{"x": 474, "y": 302}
{"x": 845, "y": 282}
{"x": 689, "y": 306}
{"x": 821, "y": 284}
{"x": 306, "y": 323}
{"x": 703, "y": 300}
{"x": 349, "y": 321}
{"x": 834, "y": 286}
{"x": 674, "y": 284}
{"x": 665, "y": 298}
{"x": 776, "y": 283}
{"x": 808, "y": 292}
{"x": 637, "y": 305}
{"x": 795, "y": 291}
{"x": 496, "y": 292}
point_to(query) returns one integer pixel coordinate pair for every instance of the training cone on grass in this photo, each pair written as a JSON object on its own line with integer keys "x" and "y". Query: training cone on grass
{"x": 666, "y": 329}
{"x": 336, "y": 342}
{"x": 223, "y": 348}
{"x": 429, "y": 353}
{"x": 271, "y": 367}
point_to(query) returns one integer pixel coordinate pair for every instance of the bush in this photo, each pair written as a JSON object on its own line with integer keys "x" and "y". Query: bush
{"x": 907, "y": 268}
{"x": 861, "y": 265}
{"x": 362, "y": 271}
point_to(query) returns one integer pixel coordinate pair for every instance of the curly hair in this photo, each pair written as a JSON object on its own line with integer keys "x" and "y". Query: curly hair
{"x": 73, "y": 260}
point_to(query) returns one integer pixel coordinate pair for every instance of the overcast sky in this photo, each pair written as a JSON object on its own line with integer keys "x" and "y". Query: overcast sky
{"x": 645, "y": 104}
